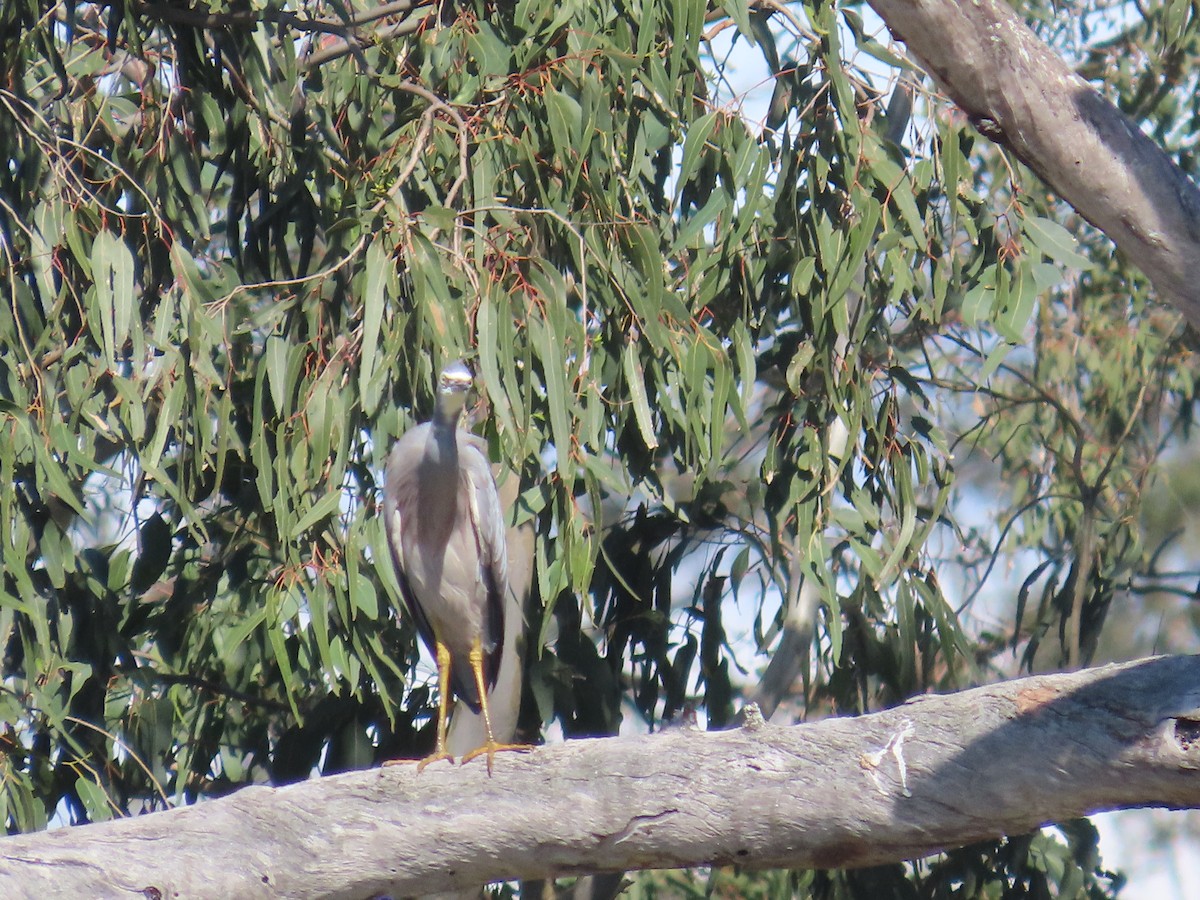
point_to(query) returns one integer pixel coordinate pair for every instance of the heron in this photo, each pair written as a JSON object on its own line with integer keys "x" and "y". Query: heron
{"x": 445, "y": 531}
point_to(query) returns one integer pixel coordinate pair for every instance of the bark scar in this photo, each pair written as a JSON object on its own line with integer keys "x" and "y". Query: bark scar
{"x": 1032, "y": 699}
{"x": 895, "y": 745}
{"x": 634, "y": 824}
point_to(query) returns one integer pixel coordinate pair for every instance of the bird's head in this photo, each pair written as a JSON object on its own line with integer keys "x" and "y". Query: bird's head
{"x": 452, "y": 390}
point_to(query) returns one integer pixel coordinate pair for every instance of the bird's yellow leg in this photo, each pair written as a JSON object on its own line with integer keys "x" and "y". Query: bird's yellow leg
{"x": 491, "y": 748}
{"x": 443, "y": 667}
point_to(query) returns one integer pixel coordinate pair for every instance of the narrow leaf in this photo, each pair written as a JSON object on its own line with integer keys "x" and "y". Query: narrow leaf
{"x": 372, "y": 315}
{"x": 636, "y": 380}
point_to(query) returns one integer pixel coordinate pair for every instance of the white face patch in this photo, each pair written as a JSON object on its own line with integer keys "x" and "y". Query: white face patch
{"x": 455, "y": 381}
{"x": 456, "y": 378}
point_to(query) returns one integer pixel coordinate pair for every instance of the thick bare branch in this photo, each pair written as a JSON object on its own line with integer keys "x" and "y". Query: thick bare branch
{"x": 1020, "y": 94}
{"x": 934, "y": 773}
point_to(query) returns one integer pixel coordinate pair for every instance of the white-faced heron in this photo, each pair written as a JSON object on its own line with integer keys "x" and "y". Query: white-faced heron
{"x": 445, "y": 530}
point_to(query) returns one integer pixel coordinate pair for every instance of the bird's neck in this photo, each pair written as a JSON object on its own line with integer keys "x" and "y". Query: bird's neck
{"x": 442, "y": 450}
{"x": 438, "y": 483}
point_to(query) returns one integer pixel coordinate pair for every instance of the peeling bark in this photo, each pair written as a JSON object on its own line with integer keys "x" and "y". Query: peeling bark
{"x": 1019, "y": 93}
{"x": 937, "y": 772}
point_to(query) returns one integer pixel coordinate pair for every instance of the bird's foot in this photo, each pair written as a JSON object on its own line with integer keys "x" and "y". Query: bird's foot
{"x": 491, "y": 748}
{"x": 436, "y": 756}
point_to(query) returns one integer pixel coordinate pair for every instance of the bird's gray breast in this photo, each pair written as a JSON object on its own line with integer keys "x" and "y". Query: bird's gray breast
{"x": 442, "y": 549}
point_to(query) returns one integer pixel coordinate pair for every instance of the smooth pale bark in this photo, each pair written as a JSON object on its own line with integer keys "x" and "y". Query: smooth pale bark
{"x": 937, "y": 772}
{"x": 1020, "y": 94}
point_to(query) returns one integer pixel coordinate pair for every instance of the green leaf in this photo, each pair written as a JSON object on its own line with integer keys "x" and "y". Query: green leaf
{"x": 798, "y": 366}
{"x": 1055, "y": 242}
{"x": 318, "y": 512}
{"x": 377, "y": 264}
{"x": 747, "y": 369}
{"x": 977, "y": 305}
{"x": 167, "y": 422}
{"x": 198, "y": 288}
{"x": 1015, "y": 305}
{"x": 276, "y": 358}
{"x": 994, "y": 360}
{"x": 494, "y": 340}
{"x": 275, "y": 622}
{"x": 97, "y": 803}
{"x": 112, "y": 269}
{"x": 693, "y": 146}
{"x": 363, "y": 597}
{"x": 636, "y": 380}
{"x": 692, "y": 232}
{"x": 53, "y": 477}
{"x": 555, "y": 370}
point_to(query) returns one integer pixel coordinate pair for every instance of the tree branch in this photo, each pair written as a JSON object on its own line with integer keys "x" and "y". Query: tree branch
{"x": 937, "y": 772}
{"x": 1019, "y": 93}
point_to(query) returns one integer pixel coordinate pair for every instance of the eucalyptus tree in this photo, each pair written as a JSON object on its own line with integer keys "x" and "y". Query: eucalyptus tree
{"x": 750, "y": 382}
